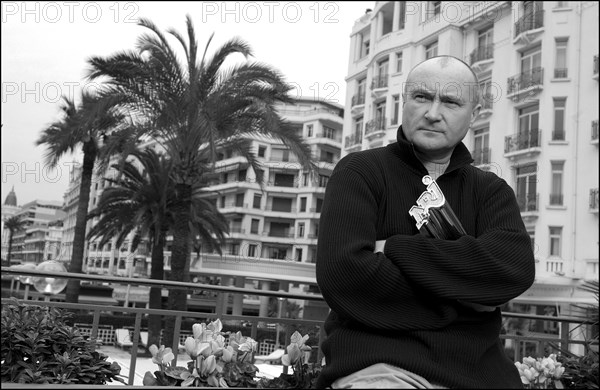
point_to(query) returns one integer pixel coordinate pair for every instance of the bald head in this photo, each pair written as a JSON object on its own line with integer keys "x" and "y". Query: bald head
{"x": 458, "y": 75}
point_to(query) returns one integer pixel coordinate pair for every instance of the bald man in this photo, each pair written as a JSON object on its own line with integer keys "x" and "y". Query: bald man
{"x": 407, "y": 310}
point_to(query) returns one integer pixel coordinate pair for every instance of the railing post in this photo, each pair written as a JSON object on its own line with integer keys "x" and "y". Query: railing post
{"x": 176, "y": 338}
{"x": 95, "y": 322}
{"x": 134, "y": 347}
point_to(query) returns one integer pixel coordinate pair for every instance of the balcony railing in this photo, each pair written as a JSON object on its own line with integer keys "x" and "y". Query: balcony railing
{"x": 556, "y": 199}
{"x": 357, "y": 100}
{"x": 353, "y": 139}
{"x": 376, "y": 124}
{"x": 521, "y": 141}
{"x": 528, "y": 202}
{"x": 531, "y": 21}
{"x": 380, "y": 82}
{"x": 594, "y": 199}
{"x": 481, "y": 156}
{"x": 595, "y": 130}
{"x": 482, "y": 53}
{"x": 487, "y": 102}
{"x": 561, "y": 73}
{"x": 524, "y": 80}
{"x": 519, "y": 338}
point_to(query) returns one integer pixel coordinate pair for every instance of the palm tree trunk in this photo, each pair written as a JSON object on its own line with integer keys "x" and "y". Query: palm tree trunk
{"x": 179, "y": 255}
{"x": 10, "y": 243}
{"x": 76, "y": 265}
{"x": 157, "y": 273}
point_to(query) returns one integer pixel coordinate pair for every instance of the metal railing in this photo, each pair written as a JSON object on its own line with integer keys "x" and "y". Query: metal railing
{"x": 482, "y": 53}
{"x": 524, "y": 140}
{"x": 353, "y": 139}
{"x": 376, "y": 124}
{"x": 380, "y": 82}
{"x": 357, "y": 100}
{"x": 528, "y": 202}
{"x": 517, "y": 332}
{"x": 561, "y": 73}
{"x": 594, "y": 199}
{"x": 530, "y": 21}
{"x": 524, "y": 80}
{"x": 481, "y": 156}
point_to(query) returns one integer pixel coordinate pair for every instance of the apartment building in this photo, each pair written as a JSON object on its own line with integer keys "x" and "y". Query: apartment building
{"x": 273, "y": 217}
{"x": 537, "y": 65}
{"x": 40, "y": 240}
{"x": 9, "y": 208}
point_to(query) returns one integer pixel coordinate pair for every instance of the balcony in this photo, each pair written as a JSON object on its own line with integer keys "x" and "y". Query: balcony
{"x": 527, "y": 142}
{"x": 595, "y": 132}
{"x": 521, "y": 337}
{"x": 481, "y": 156}
{"x": 380, "y": 82}
{"x": 529, "y": 26}
{"x": 375, "y": 128}
{"x": 379, "y": 86}
{"x": 595, "y": 71}
{"x": 487, "y": 106}
{"x": 482, "y": 57}
{"x": 528, "y": 202}
{"x": 353, "y": 141}
{"x": 358, "y": 100}
{"x": 529, "y": 82}
{"x": 594, "y": 200}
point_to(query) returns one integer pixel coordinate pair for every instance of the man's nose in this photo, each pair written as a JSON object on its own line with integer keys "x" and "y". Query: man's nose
{"x": 433, "y": 113}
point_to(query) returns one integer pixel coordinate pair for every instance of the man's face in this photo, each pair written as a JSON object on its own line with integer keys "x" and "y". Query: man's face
{"x": 438, "y": 107}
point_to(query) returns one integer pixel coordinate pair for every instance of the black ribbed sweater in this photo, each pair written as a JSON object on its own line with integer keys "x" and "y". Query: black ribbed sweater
{"x": 401, "y": 306}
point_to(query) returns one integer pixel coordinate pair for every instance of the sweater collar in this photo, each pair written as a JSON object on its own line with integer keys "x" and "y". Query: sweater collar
{"x": 405, "y": 151}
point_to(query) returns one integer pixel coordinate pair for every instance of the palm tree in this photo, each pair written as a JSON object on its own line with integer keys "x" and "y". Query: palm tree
{"x": 141, "y": 202}
{"x": 193, "y": 109}
{"x": 13, "y": 224}
{"x": 80, "y": 126}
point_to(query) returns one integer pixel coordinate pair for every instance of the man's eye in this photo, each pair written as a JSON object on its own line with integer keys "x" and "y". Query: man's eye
{"x": 421, "y": 98}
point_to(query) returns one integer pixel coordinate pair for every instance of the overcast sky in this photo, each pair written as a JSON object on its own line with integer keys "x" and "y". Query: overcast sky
{"x": 45, "y": 46}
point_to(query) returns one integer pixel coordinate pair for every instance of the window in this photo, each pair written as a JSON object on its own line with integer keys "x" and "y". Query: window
{"x": 358, "y": 126}
{"x": 261, "y": 151}
{"x": 302, "y": 204}
{"x": 239, "y": 200}
{"x": 481, "y": 141}
{"x": 254, "y": 226}
{"x": 257, "y": 199}
{"x": 431, "y": 50}
{"x": 280, "y": 155}
{"x": 323, "y": 180}
{"x": 402, "y": 14}
{"x": 328, "y": 132}
{"x": 556, "y": 195}
{"x": 555, "y": 240}
{"x": 298, "y": 254}
{"x": 326, "y": 156}
{"x": 396, "y": 105}
{"x": 235, "y": 249}
{"x": 309, "y": 130}
{"x": 301, "y": 229}
{"x": 361, "y": 91}
{"x": 399, "y": 62}
{"x": 363, "y": 42}
{"x": 259, "y": 175}
{"x": 282, "y": 204}
{"x": 527, "y": 187}
{"x": 560, "y": 68}
{"x": 485, "y": 37}
{"x": 381, "y": 80}
{"x": 531, "y": 232}
{"x": 222, "y": 204}
{"x": 531, "y": 67}
{"x": 528, "y": 136}
{"x": 251, "y": 250}
{"x": 559, "y": 119}
{"x": 284, "y": 180}
{"x": 380, "y": 115}
{"x": 242, "y": 175}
